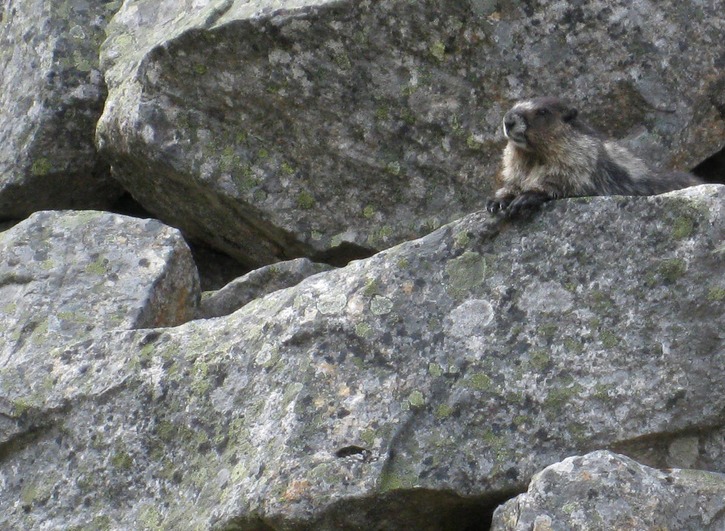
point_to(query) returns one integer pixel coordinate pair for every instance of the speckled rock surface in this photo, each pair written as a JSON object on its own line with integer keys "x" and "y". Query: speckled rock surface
{"x": 602, "y": 491}
{"x": 256, "y": 284}
{"x": 51, "y": 96}
{"x": 405, "y": 391}
{"x": 276, "y": 129}
{"x": 70, "y": 276}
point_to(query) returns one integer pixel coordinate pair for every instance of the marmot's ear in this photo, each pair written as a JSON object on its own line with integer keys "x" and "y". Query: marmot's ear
{"x": 569, "y": 114}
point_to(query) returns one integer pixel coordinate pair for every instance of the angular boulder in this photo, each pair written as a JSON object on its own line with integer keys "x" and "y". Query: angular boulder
{"x": 51, "y": 96}
{"x": 275, "y": 129}
{"x": 603, "y": 491}
{"x": 412, "y": 390}
{"x": 71, "y": 276}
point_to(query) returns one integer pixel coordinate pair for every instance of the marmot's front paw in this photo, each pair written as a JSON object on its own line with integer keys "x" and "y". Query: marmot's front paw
{"x": 496, "y": 205}
{"x": 525, "y": 204}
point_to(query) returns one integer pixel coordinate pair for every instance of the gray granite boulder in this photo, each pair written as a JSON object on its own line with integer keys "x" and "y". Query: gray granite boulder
{"x": 602, "y": 491}
{"x": 51, "y": 96}
{"x": 256, "y": 284}
{"x": 70, "y": 276}
{"x": 411, "y": 390}
{"x": 273, "y": 129}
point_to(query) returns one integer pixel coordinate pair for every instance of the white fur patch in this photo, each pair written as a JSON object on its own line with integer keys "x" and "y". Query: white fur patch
{"x": 525, "y": 106}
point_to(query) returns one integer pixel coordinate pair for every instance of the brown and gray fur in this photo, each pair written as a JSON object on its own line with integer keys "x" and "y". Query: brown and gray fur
{"x": 552, "y": 154}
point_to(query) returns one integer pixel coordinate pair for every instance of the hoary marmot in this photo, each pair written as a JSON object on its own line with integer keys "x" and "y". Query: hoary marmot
{"x": 552, "y": 154}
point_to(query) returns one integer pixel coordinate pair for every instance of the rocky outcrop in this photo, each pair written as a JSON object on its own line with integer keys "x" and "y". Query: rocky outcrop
{"x": 70, "y": 277}
{"x": 277, "y": 129}
{"x": 51, "y": 96}
{"x": 603, "y": 490}
{"x": 411, "y": 390}
{"x": 418, "y": 388}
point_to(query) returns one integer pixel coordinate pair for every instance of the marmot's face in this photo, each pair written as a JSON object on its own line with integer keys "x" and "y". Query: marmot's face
{"x": 535, "y": 124}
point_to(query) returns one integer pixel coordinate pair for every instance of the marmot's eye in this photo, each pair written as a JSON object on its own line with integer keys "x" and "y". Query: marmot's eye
{"x": 542, "y": 112}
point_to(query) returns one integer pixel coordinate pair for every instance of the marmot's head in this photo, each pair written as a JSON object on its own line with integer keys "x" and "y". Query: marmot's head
{"x": 537, "y": 124}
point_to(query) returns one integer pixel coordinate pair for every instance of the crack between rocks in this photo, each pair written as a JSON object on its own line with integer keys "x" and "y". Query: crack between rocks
{"x": 15, "y": 280}
{"x": 217, "y": 13}
{"x": 33, "y": 431}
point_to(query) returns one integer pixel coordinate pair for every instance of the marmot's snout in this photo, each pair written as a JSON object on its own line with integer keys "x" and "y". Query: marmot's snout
{"x": 514, "y": 127}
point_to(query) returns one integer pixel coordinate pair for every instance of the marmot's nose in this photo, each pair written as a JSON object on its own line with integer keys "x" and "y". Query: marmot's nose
{"x": 509, "y": 121}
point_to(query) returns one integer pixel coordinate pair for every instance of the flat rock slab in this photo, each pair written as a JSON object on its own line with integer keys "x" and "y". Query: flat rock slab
{"x": 602, "y": 491}
{"x": 276, "y": 129}
{"x": 406, "y": 391}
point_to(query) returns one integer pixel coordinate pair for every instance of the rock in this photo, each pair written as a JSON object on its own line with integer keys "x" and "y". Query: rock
{"x": 703, "y": 449}
{"x": 256, "y": 284}
{"x": 51, "y": 96}
{"x": 411, "y": 390}
{"x": 602, "y": 491}
{"x": 71, "y": 276}
{"x": 284, "y": 128}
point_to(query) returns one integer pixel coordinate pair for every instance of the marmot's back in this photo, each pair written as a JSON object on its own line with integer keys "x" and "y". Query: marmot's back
{"x": 552, "y": 154}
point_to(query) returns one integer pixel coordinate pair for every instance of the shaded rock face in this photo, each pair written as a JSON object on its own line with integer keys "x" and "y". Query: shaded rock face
{"x": 603, "y": 490}
{"x": 279, "y": 129}
{"x": 406, "y": 391}
{"x": 51, "y": 96}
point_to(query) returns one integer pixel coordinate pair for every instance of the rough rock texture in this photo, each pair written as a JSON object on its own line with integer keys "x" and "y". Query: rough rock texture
{"x": 282, "y": 128}
{"x": 256, "y": 284}
{"x": 69, "y": 276}
{"x": 51, "y": 96}
{"x": 405, "y": 391}
{"x": 602, "y": 491}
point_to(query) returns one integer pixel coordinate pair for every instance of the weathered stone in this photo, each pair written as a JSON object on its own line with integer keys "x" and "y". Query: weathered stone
{"x": 280, "y": 128}
{"x": 51, "y": 96}
{"x": 256, "y": 284}
{"x": 602, "y": 491}
{"x": 70, "y": 276}
{"x": 405, "y": 391}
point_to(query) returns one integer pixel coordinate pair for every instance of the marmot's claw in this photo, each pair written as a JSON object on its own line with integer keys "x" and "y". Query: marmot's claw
{"x": 495, "y": 206}
{"x": 526, "y": 202}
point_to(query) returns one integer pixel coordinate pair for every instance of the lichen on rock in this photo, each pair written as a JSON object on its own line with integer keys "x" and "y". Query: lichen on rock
{"x": 315, "y": 407}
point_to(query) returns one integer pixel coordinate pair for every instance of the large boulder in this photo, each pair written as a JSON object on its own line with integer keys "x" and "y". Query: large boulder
{"x": 280, "y": 128}
{"x": 51, "y": 96}
{"x": 603, "y": 491}
{"x": 68, "y": 277}
{"x": 411, "y": 390}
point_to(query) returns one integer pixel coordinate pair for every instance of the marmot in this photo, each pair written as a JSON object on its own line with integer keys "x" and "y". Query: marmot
{"x": 552, "y": 154}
